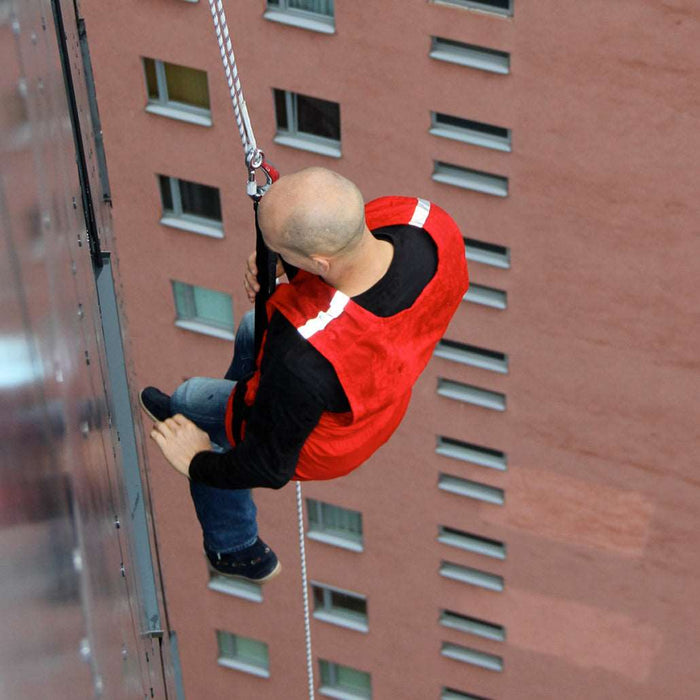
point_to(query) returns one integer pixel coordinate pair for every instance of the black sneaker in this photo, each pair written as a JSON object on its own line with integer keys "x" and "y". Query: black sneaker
{"x": 257, "y": 563}
{"x": 155, "y": 403}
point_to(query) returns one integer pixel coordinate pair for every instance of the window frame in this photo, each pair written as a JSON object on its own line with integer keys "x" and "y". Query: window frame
{"x": 322, "y": 532}
{"x": 196, "y": 323}
{"x": 469, "y": 134}
{"x": 480, "y": 6}
{"x": 163, "y": 106}
{"x": 242, "y": 663}
{"x": 470, "y": 179}
{"x": 335, "y": 690}
{"x": 184, "y": 221}
{"x": 303, "y": 140}
{"x": 302, "y": 19}
{"x": 338, "y": 615}
{"x": 481, "y": 58}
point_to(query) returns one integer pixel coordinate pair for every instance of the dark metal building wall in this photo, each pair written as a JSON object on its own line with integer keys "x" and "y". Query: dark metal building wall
{"x": 80, "y": 602}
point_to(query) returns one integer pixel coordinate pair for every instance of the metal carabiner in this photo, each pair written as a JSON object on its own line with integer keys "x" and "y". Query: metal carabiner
{"x": 255, "y": 160}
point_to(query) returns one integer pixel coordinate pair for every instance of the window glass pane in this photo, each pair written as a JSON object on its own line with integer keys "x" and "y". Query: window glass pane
{"x": 349, "y": 603}
{"x": 320, "y": 7}
{"x": 326, "y": 676}
{"x": 183, "y": 300}
{"x": 213, "y": 307}
{"x": 149, "y": 66}
{"x": 200, "y": 200}
{"x": 252, "y": 651}
{"x": 281, "y": 110}
{"x": 350, "y": 679}
{"x": 187, "y": 85}
{"x": 227, "y": 644}
{"x": 165, "y": 193}
{"x": 318, "y": 117}
{"x": 318, "y": 597}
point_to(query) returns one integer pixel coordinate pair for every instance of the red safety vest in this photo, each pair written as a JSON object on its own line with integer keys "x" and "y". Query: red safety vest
{"x": 377, "y": 360}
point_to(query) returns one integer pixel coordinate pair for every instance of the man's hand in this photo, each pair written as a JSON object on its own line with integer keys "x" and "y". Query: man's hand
{"x": 180, "y": 440}
{"x": 250, "y": 279}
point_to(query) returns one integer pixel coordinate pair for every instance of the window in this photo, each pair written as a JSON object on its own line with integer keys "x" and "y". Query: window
{"x": 469, "y": 452}
{"x": 472, "y": 625}
{"x": 235, "y": 587}
{"x": 472, "y": 355}
{"x": 471, "y": 489}
{"x": 316, "y": 15}
{"x": 343, "y": 682}
{"x": 472, "y": 543}
{"x": 469, "y": 55}
{"x": 486, "y": 296}
{"x": 472, "y": 656}
{"x": 468, "y": 179}
{"x": 474, "y": 577}
{"x": 190, "y": 206}
{"x": 452, "y": 694}
{"x": 478, "y": 133}
{"x": 307, "y": 123}
{"x": 177, "y": 91}
{"x": 496, "y": 7}
{"x": 243, "y": 654}
{"x": 471, "y": 394}
{"x": 487, "y": 253}
{"x": 203, "y": 310}
{"x": 340, "y": 607}
{"x": 334, "y": 525}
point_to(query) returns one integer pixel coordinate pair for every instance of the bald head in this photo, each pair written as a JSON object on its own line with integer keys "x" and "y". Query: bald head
{"x": 313, "y": 212}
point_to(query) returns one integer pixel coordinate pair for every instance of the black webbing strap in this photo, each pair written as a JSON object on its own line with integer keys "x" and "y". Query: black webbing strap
{"x": 266, "y": 261}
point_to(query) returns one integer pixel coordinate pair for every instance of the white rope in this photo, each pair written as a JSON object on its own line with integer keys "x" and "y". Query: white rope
{"x": 234, "y": 84}
{"x": 305, "y": 594}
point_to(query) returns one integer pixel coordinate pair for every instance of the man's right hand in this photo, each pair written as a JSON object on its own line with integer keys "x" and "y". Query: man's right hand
{"x": 250, "y": 279}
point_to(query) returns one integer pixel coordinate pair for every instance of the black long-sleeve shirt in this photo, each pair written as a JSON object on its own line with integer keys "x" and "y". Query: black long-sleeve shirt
{"x": 297, "y": 383}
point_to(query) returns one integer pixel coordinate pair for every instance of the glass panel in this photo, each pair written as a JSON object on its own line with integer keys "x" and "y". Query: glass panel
{"x": 318, "y": 117}
{"x": 350, "y": 679}
{"x": 320, "y": 7}
{"x": 318, "y": 598}
{"x": 326, "y": 674}
{"x": 312, "y": 508}
{"x": 349, "y": 603}
{"x": 200, "y": 200}
{"x": 252, "y": 651}
{"x": 187, "y": 85}
{"x": 281, "y": 109}
{"x": 166, "y": 196}
{"x": 213, "y": 307}
{"x": 149, "y": 66}
{"x": 183, "y": 300}
{"x": 227, "y": 644}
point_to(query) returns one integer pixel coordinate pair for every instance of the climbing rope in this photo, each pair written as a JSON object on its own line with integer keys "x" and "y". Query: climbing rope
{"x": 255, "y": 160}
{"x": 305, "y": 593}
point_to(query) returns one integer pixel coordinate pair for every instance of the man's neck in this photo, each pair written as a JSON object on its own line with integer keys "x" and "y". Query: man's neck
{"x": 365, "y": 268}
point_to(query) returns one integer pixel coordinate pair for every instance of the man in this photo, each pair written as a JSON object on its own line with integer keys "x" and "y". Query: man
{"x": 372, "y": 289}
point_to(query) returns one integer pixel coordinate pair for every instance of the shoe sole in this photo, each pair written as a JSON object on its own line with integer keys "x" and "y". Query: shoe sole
{"x": 273, "y": 574}
{"x": 145, "y": 410}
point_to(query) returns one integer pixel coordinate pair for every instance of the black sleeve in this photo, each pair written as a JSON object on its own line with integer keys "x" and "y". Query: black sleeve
{"x": 297, "y": 385}
{"x": 283, "y": 416}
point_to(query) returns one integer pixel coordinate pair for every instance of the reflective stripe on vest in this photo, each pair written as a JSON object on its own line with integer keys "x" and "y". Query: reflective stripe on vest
{"x": 420, "y": 214}
{"x": 319, "y": 322}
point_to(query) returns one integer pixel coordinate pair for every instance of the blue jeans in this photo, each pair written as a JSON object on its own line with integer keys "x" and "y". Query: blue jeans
{"x": 227, "y": 516}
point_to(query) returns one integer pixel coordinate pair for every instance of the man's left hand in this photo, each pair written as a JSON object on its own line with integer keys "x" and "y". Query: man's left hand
{"x": 180, "y": 440}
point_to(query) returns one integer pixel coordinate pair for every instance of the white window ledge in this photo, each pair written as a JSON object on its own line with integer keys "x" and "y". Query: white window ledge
{"x": 211, "y": 230}
{"x": 339, "y": 694}
{"x": 341, "y": 620}
{"x": 245, "y": 667}
{"x": 320, "y": 25}
{"x": 456, "y": 134}
{"x": 472, "y": 59}
{"x": 182, "y": 115}
{"x": 335, "y": 540}
{"x": 204, "y": 329}
{"x": 308, "y": 144}
{"x": 239, "y": 589}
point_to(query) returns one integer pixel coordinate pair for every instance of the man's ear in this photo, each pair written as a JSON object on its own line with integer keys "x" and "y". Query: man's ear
{"x": 321, "y": 265}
